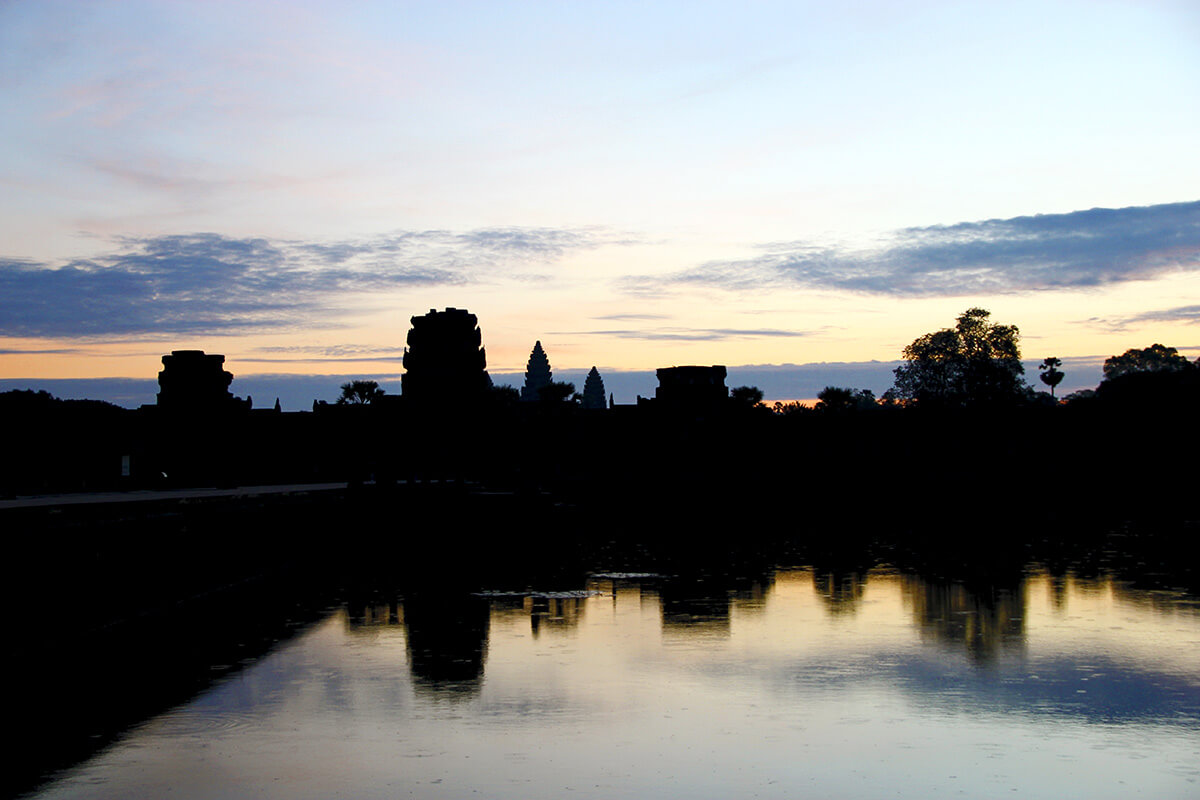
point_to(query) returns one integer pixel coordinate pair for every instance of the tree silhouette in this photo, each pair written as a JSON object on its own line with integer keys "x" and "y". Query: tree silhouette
{"x": 748, "y": 396}
{"x": 975, "y": 362}
{"x": 556, "y": 392}
{"x": 1155, "y": 358}
{"x": 1050, "y": 374}
{"x": 357, "y": 393}
{"x": 1153, "y": 377}
{"x": 795, "y": 407}
{"x": 835, "y": 398}
{"x": 504, "y": 396}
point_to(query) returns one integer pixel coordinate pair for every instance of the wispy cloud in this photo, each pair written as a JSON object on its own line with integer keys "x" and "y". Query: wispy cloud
{"x": 332, "y": 351}
{"x": 1188, "y": 315}
{"x": 1082, "y": 249}
{"x": 213, "y": 284}
{"x": 631, "y": 317}
{"x": 689, "y": 334}
{"x": 321, "y": 359}
{"x": 331, "y": 354}
{"x": 59, "y": 351}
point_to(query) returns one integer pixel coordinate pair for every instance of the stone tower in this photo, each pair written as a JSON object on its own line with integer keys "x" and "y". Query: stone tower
{"x": 695, "y": 389}
{"x": 444, "y": 361}
{"x": 192, "y": 380}
{"x": 593, "y": 390}
{"x": 537, "y": 374}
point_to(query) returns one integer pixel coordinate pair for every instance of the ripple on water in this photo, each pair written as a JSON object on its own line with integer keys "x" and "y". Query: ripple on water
{"x": 203, "y": 722}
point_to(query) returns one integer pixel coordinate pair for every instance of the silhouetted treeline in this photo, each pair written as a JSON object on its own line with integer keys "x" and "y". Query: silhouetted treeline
{"x": 61, "y": 445}
{"x": 1129, "y": 448}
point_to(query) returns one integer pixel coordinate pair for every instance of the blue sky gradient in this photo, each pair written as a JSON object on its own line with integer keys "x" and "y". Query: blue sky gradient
{"x": 635, "y": 185}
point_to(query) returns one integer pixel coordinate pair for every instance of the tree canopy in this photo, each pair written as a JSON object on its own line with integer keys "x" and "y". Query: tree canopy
{"x": 357, "y": 393}
{"x": 977, "y": 362}
{"x": 1155, "y": 358}
{"x": 837, "y": 399}
{"x": 747, "y": 396}
{"x": 556, "y": 392}
{"x": 1153, "y": 377}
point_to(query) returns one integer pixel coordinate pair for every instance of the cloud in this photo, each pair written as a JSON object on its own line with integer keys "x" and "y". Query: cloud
{"x": 1079, "y": 250}
{"x": 333, "y": 353}
{"x": 57, "y": 351}
{"x": 1184, "y": 314}
{"x": 689, "y": 334}
{"x": 206, "y": 283}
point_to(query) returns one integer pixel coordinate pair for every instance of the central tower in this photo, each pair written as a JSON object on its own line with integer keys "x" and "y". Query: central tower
{"x": 444, "y": 361}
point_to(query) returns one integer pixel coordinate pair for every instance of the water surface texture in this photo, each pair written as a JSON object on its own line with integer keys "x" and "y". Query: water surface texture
{"x": 798, "y": 684}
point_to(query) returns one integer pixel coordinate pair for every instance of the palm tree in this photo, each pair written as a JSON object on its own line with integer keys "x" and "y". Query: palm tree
{"x": 358, "y": 393}
{"x": 1051, "y": 375}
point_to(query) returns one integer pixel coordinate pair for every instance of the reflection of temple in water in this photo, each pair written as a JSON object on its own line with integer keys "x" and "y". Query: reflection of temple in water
{"x": 545, "y": 611}
{"x": 447, "y": 642}
{"x": 842, "y": 592}
{"x": 697, "y": 606}
{"x": 368, "y": 615}
{"x": 553, "y": 611}
{"x": 985, "y": 620}
{"x": 688, "y": 617}
{"x": 1058, "y": 591}
{"x": 686, "y": 606}
{"x": 446, "y": 637}
{"x": 1063, "y": 586}
{"x": 752, "y": 599}
{"x": 627, "y": 593}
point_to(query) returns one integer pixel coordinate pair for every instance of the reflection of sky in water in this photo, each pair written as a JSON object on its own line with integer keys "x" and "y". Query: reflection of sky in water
{"x": 853, "y": 686}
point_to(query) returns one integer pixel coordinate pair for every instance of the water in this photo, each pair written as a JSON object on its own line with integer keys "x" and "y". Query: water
{"x": 793, "y": 684}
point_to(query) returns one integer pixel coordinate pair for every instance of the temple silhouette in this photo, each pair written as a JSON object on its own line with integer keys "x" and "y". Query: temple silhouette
{"x": 714, "y": 451}
{"x": 593, "y": 390}
{"x": 537, "y": 374}
{"x": 193, "y": 381}
{"x": 445, "y": 361}
{"x": 692, "y": 389}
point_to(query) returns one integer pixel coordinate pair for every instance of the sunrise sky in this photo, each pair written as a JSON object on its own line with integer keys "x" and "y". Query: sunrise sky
{"x": 637, "y": 185}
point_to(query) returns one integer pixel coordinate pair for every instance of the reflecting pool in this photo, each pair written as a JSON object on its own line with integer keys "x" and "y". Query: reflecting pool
{"x": 797, "y": 683}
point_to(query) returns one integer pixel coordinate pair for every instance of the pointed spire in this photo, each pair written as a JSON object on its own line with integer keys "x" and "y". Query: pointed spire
{"x": 593, "y": 390}
{"x": 537, "y": 374}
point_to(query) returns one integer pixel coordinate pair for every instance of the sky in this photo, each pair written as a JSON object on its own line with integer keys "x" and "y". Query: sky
{"x": 796, "y": 190}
